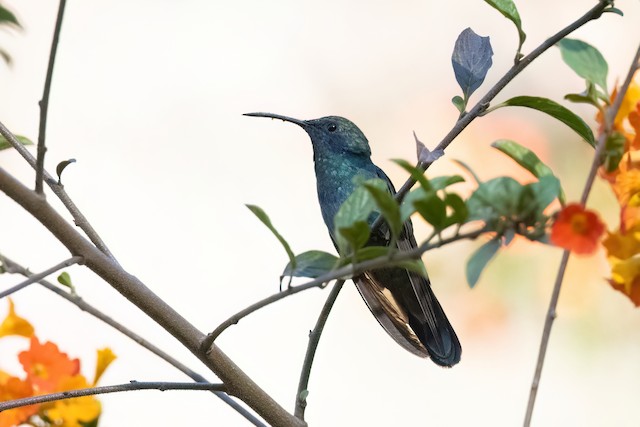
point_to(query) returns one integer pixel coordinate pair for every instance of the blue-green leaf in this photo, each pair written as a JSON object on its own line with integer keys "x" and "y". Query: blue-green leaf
{"x": 585, "y": 60}
{"x": 264, "y": 218}
{"x": 480, "y": 259}
{"x": 527, "y": 159}
{"x": 311, "y": 264}
{"x": 545, "y": 191}
{"x": 471, "y": 60}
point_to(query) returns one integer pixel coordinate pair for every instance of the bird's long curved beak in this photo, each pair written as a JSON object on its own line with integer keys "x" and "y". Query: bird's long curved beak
{"x": 279, "y": 117}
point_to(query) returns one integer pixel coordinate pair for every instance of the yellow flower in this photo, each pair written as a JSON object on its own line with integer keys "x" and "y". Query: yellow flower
{"x": 14, "y": 324}
{"x": 625, "y": 277}
{"x": 74, "y": 412}
{"x": 104, "y": 359}
{"x": 629, "y": 102}
{"x": 622, "y": 245}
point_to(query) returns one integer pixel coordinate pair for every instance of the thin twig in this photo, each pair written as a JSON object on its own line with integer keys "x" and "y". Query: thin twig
{"x": 37, "y": 277}
{"x": 78, "y": 218}
{"x": 44, "y": 102}
{"x": 314, "y": 340}
{"x": 346, "y": 271}
{"x": 92, "y": 391}
{"x": 484, "y": 103}
{"x": 238, "y": 383}
{"x": 291, "y": 290}
{"x": 13, "y": 267}
{"x": 609, "y": 118}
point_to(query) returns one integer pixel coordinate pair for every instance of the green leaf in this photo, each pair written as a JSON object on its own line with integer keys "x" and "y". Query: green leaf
{"x": 459, "y": 208}
{"x": 498, "y": 197}
{"x": 556, "y": 111}
{"x": 414, "y": 265}
{"x": 459, "y": 103}
{"x": 480, "y": 259}
{"x": 525, "y": 158}
{"x": 65, "y": 279}
{"x": 371, "y": 252}
{"x": 613, "y": 10}
{"x": 262, "y": 216}
{"x": 357, "y": 208}
{"x": 311, "y": 264}
{"x": 8, "y": 18}
{"x": 61, "y": 167}
{"x": 471, "y": 60}
{"x": 432, "y": 209}
{"x": 6, "y": 57}
{"x": 466, "y": 167}
{"x": 442, "y": 182}
{"x": 416, "y": 173}
{"x": 387, "y": 206}
{"x": 4, "y": 144}
{"x": 508, "y": 9}
{"x": 356, "y": 235}
{"x": 585, "y": 60}
{"x": 545, "y": 191}
{"x": 613, "y": 151}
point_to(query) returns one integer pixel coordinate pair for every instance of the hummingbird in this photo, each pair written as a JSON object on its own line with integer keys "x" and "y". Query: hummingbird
{"x": 401, "y": 300}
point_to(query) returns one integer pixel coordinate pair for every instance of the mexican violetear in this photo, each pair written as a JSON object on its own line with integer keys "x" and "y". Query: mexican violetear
{"x": 401, "y": 300}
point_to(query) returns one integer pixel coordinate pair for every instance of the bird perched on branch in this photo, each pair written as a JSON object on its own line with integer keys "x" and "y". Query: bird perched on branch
{"x": 401, "y": 300}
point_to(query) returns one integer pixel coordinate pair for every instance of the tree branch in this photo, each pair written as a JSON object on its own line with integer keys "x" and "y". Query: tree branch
{"x": 13, "y": 267}
{"x": 346, "y": 271}
{"x": 609, "y": 118}
{"x": 44, "y": 102}
{"x": 237, "y": 382}
{"x": 78, "y": 218}
{"x": 131, "y": 386}
{"x": 36, "y": 277}
{"x": 314, "y": 340}
{"x": 593, "y": 13}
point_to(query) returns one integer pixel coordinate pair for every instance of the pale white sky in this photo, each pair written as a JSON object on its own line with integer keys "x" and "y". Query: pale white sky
{"x": 148, "y": 96}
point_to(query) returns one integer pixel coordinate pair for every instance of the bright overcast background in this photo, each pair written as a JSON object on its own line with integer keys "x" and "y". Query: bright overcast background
{"x": 148, "y": 96}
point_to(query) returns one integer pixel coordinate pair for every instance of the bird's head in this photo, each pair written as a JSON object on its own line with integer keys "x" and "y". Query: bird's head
{"x": 330, "y": 134}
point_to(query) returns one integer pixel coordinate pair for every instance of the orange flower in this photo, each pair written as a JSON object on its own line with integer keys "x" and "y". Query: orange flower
{"x": 14, "y": 324}
{"x": 577, "y": 229}
{"x": 15, "y": 388}
{"x": 77, "y": 411}
{"x": 45, "y": 365}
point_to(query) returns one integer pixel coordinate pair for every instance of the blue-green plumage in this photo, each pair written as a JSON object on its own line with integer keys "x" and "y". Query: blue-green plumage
{"x": 401, "y": 301}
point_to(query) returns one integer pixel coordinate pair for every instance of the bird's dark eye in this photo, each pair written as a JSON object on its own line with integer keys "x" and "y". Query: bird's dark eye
{"x": 332, "y": 128}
